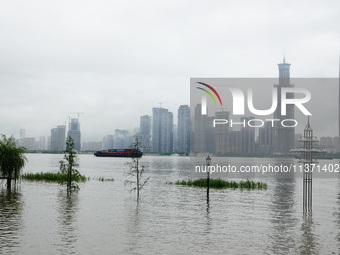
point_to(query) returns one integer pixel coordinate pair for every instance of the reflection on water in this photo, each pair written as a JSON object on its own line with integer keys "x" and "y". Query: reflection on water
{"x": 67, "y": 220}
{"x": 104, "y": 218}
{"x": 308, "y": 243}
{"x": 337, "y": 215}
{"x": 283, "y": 216}
{"x": 208, "y": 224}
{"x": 133, "y": 227}
{"x": 11, "y": 206}
{"x": 283, "y": 213}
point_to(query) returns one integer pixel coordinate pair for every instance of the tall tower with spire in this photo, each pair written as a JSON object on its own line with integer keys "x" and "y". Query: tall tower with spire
{"x": 283, "y": 137}
{"x": 307, "y": 151}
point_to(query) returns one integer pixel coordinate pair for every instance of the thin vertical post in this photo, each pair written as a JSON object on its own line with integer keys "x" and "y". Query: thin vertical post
{"x": 208, "y": 161}
{"x": 307, "y": 151}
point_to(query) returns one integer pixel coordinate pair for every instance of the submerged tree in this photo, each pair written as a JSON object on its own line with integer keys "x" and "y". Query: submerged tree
{"x": 136, "y": 170}
{"x": 12, "y": 159}
{"x": 67, "y": 165}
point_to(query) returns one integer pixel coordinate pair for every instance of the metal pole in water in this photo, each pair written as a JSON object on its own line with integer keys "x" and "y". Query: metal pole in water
{"x": 307, "y": 151}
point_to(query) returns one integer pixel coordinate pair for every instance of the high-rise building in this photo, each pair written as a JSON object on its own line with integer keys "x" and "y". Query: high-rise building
{"x": 42, "y": 143}
{"x": 326, "y": 142}
{"x": 222, "y": 133}
{"x": 266, "y": 138}
{"x": 22, "y": 133}
{"x": 283, "y": 137}
{"x": 235, "y": 144}
{"x": 174, "y": 137}
{"x": 58, "y": 138}
{"x": 108, "y": 142}
{"x": 145, "y": 133}
{"x": 53, "y": 139}
{"x": 202, "y": 132}
{"x": 92, "y": 146}
{"x": 199, "y": 128}
{"x": 183, "y": 129}
{"x": 336, "y": 143}
{"x": 162, "y": 130}
{"x": 48, "y": 145}
{"x": 296, "y": 140}
{"x": 74, "y": 133}
{"x": 29, "y": 143}
{"x": 122, "y": 140}
{"x": 247, "y": 136}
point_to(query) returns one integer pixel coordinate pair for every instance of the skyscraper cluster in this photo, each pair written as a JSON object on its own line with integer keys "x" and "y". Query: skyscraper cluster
{"x": 57, "y": 140}
{"x": 222, "y": 139}
{"x": 159, "y": 134}
{"x": 194, "y": 132}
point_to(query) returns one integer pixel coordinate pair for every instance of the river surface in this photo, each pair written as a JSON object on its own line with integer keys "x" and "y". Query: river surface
{"x": 105, "y": 218}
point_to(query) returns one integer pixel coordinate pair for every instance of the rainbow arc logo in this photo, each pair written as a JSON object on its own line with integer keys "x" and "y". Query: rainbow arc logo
{"x": 212, "y": 93}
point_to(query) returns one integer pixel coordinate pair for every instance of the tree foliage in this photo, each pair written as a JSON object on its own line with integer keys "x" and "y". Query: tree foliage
{"x": 67, "y": 166}
{"x": 12, "y": 159}
{"x": 136, "y": 170}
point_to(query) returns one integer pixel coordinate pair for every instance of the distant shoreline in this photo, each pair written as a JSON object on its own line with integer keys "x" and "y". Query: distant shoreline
{"x": 327, "y": 156}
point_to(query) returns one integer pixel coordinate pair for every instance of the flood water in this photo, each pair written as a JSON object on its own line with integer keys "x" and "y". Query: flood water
{"x": 105, "y": 218}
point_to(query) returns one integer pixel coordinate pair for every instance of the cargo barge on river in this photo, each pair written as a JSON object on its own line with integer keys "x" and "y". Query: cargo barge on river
{"x": 119, "y": 153}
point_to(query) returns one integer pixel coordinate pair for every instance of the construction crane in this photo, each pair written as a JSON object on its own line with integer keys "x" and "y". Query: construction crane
{"x": 78, "y": 113}
{"x": 160, "y": 104}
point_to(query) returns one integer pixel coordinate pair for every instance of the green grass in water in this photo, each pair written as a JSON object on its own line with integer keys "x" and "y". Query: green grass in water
{"x": 220, "y": 184}
{"x": 102, "y": 179}
{"x": 51, "y": 177}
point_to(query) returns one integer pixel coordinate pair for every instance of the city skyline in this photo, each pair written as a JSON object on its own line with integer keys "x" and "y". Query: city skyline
{"x": 122, "y": 138}
{"x": 220, "y": 141}
{"x": 282, "y": 79}
{"x": 163, "y": 136}
{"x": 274, "y": 129}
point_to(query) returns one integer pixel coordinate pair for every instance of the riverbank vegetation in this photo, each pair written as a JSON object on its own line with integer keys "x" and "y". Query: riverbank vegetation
{"x": 102, "y": 179}
{"x": 12, "y": 159}
{"x": 52, "y": 177}
{"x": 220, "y": 184}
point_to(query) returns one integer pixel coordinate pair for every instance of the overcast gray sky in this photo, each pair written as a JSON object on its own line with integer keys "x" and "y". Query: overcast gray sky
{"x": 115, "y": 60}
